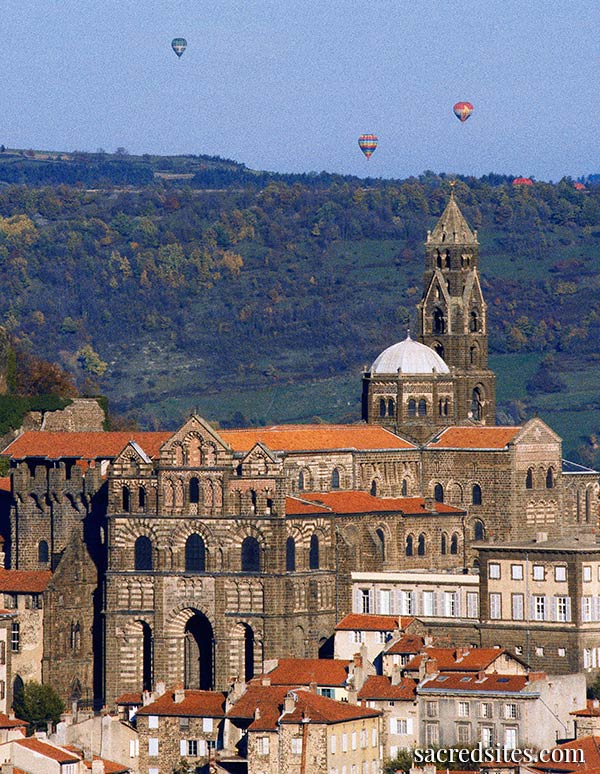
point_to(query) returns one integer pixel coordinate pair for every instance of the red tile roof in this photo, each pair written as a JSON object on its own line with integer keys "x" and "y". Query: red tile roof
{"x": 5, "y": 484}
{"x": 474, "y": 438}
{"x": 409, "y": 643}
{"x": 379, "y": 687}
{"x": 353, "y": 501}
{"x": 590, "y": 747}
{"x": 315, "y": 438}
{"x": 463, "y": 681}
{"x": 47, "y": 750}
{"x": 592, "y": 710}
{"x": 452, "y": 659}
{"x": 126, "y": 699}
{"x": 88, "y": 446}
{"x": 6, "y": 722}
{"x": 24, "y": 581}
{"x": 263, "y": 705}
{"x": 110, "y": 767}
{"x": 303, "y": 671}
{"x": 199, "y": 704}
{"x": 372, "y": 623}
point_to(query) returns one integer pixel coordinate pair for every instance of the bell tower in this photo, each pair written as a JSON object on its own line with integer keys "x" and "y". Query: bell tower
{"x": 453, "y": 314}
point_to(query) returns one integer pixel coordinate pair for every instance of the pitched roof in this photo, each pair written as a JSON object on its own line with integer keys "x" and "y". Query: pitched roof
{"x": 372, "y": 623}
{"x": 263, "y": 705}
{"x": 48, "y": 750}
{"x": 353, "y": 501}
{"x": 6, "y": 722}
{"x": 5, "y": 484}
{"x": 24, "y": 581}
{"x": 315, "y": 438}
{"x": 126, "y": 699}
{"x": 199, "y": 704}
{"x": 459, "y": 659}
{"x": 452, "y": 226}
{"x": 474, "y": 438}
{"x": 408, "y": 643}
{"x": 379, "y": 687}
{"x": 89, "y": 446}
{"x": 591, "y": 710}
{"x": 303, "y": 671}
{"x": 574, "y": 467}
{"x": 110, "y": 767}
{"x": 590, "y": 750}
{"x": 463, "y": 681}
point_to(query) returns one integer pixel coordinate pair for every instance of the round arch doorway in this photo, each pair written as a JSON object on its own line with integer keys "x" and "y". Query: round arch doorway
{"x": 198, "y": 653}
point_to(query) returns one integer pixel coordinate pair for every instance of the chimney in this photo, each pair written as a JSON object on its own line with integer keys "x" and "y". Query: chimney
{"x": 159, "y": 689}
{"x": 289, "y": 703}
{"x": 312, "y": 687}
{"x": 178, "y": 694}
{"x": 97, "y": 766}
{"x": 147, "y": 697}
{"x": 429, "y": 504}
{"x": 431, "y": 666}
{"x": 256, "y": 713}
{"x": 595, "y": 703}
{"x": 480, "y": 676}
{"x": 396, "y": 674}
{"x": 265, "y": 680}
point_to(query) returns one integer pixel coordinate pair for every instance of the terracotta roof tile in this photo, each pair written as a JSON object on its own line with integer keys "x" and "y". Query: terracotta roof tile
{"x": 303, "y": 671}
{"x": 24, "y": 581}
{"x": 353, "y": 501}
{"x": 592, "y": 710}
{"x": 200, "y": 704}
{"x": 464, "y": 681}
{"x": 459, "y": 660}
{"x": 320, "y": 709}
{"x": 379, "y": 687}
{"x": 590, "y": 747}
{"x": 409, "y": 643}
{"x": 474, "y": 438}
{"x": 315, "y": 438}
{"x": 266, "y": 698}
{"x": 6, "y": 722}
{"x": 370, "y": 623}
{"x": 4, "y": 483}
{"x": 126, "y": 699}
{"x": 48, "y": 750}
{"x": 110, "y": 767}
{"x": 88, "y": 446}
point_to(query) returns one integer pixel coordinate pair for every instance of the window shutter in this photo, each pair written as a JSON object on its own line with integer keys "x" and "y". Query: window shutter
{"x": 568, "y": 608}
{"x": 183, "y": 748}
{"x": 413, "y": 599}
{"x": 357, "y": 601}
{"x": 401, "y": 610}
{"x": 546, "y": 608}
{"x": 371, "y": 600}
{"x": 378, "y": 609}
{"x": 409, "y": 726}
{"x": 201, "y": 747}
{"x": 532, "y": 608}
{"x": 554, "y": 612}
{"x": 457, "y": 604}
{"x": 393, "y": 725}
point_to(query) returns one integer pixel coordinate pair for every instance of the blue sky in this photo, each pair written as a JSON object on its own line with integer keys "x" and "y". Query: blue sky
{"x": 289, "y": 86}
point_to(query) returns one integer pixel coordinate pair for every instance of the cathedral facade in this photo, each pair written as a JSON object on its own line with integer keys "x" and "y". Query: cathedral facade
{"x": 192, "y": 557}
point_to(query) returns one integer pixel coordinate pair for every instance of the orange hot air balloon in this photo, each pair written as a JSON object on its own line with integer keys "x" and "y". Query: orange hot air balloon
{"x": 522, "y": 181}
{"x": 368, "y": 143}
{"x": 462, "y": 110}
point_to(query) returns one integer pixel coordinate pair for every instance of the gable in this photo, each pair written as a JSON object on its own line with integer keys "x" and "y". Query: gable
{"x": 537, "y": 432}
{"x": 196, "y": 443}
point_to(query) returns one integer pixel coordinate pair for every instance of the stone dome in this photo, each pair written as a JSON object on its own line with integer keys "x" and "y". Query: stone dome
{"x": 409, "y": 357}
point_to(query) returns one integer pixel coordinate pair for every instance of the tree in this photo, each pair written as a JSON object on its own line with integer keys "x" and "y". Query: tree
{"x": 38, "y": 705}
{"x": 183, "y": 767}
{"x": 402, "y": 762}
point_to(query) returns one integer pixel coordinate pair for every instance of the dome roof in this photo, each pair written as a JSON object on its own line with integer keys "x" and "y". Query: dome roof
{"x": 409, "y": 357}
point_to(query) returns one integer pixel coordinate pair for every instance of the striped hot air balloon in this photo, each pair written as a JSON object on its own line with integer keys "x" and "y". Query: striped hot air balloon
{"x": 522, "y": 181}
{"x": 462, "y": 110}
{"x": 367, "y": 143}
{"x": 179, "y": 45}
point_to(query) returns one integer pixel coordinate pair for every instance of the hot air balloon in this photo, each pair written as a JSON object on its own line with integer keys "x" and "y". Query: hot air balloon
{"x": 367, "y": 143}
{"x": 579, "y": 186}
{"x": 179, "y": 45}
{"x": 462, "y": 110}
{"x": 522, "y": 181}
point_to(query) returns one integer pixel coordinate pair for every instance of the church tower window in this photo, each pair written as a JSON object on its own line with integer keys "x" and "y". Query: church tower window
{"x": 422, "y": 408}
{"x": 374, "y": 488}
{"x": 444, "y": 544}
{"x": 550, "y": 478}
{"x": 194, "y": 490}
{"x": 476, "y": 494}
{"x": 141, "y": 498}
{"x": 454, "y": 544}
{"x": 404, "y": 488}
{"x": 126, "y": 498}
{"x": 143, "y": 553}
{"x": 476, "y": 404}
{"x": 412, "y": 408}
{"x": 421, "y": 545}
{"x": 382, "y": 407}
{"x": 478, "y": 530}
{"x": 439, "y": 321}
{"x": 438, "y": 493}
{"x": 313, "y": 553}
{"x": 43, "y": 552}
{"x": 290, "y": 555}
{"x": 335, "y": 479}
{"x": 391, "y": 408}
{"x": 409, "y": 545}
{"x": 195, "y": 554}
{"x": 474, "y": 322}
{"x": 301, "y": 481}
{"x": 250, "y": 555}
{"x": 529, "y": 479}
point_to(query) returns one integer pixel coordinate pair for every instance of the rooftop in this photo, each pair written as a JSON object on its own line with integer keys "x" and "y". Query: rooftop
{"x": 47, "y": 750}
{"x": 459, "y": 659}
{"x": 24, "y": 581}
{"x": 379, "y": 687}
{"x": 87, "y": 446}
{"x": 353, "y": 501}
{"x": 199, "y": 704}
{"x": 494, "y": 683}
{"x": 314, "y": 438}
{"x": 373, "y": 623}
{"x": 409, "y": 357}
{"x": 331, "y": 672}
{"x": 474, "y": 438}
{"x": 409, "y": 643}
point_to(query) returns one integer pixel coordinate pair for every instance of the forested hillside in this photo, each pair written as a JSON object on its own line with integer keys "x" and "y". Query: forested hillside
{"x": 173, "y": 284}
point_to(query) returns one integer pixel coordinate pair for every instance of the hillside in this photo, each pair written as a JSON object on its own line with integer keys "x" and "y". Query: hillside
{"x": 193, "y": 282}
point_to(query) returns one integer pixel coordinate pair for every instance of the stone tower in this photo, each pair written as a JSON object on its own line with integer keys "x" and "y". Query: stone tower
{"x": 453, "y": 315}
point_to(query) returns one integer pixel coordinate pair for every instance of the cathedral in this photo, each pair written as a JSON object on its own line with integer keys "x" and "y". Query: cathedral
{"x": 192, "y": 557}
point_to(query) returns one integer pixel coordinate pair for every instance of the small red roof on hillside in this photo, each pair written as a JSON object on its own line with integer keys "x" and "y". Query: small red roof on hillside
{"x": 47, "y": 750}
{"x": 379, "y": 687}
{"x": 372, "y": 623}
{"x": 315, "y": 438}
{"x": 409, "y": 643}
{"x": 463, "y": 681}
{"x": 200, "y": 704}
{"x": 304, "y": 671}
{"x": 24, "y": 581}
{"x": 89, "y": 446}
{"x": 353, "y": 501}
{"x": 474, "y": 438}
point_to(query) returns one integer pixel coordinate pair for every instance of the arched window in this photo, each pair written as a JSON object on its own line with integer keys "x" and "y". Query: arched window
{"x": 374, "y": 488}
{"x": 143, "y": 553}
{"x": 195, "y": 554}
{"x": 444, "y": 543}
{"x": 476, "y": 499}
{"x": 253, "y": 501}
{"x": 529, "y": 479}
{"x": 550, "y": 478}
{"x": 43, "y": 552}
{"x": 439, "y": 323}
{"x": 421, "y": 545}
{"x": 476, "y": 404}
{"x": 454, "y": 544}
{"x": 438, "y": 259}
{"x": 474, "y": 322}
{"x": 382, "y": 407}
{"x": 478, "y": 530}
{"x": 409, "y": 545}
{"x": 313, "y": 553}
{"x": 473, "y": 354}
{"x": 126, "y": 498}
{"x": 380, "y": 534}
{"x": 441, "y": 407}
{"x": 446, "y": 407}
{"x": 422, "y": 410}
{"x": 391, "y": 408}
{"x": 439, "y": 349}
{"x": 194, "y": 490}
{"x": 335, "y": 479}
{"x": 412, "y": 408}
{"x": 290, "y": 555}
{"x": 141, "y": 498}
{"x": 250, "y": 555}
{"x": 404, "y": 488}
{"x": 448, "y": 262}
{"x": 301, "y": 480}
{"x": 438, "y": 493}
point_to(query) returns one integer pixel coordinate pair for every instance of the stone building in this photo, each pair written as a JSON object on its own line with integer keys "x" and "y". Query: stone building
{"x": 193, "y": 556}
{"x": 396, "y": 698}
